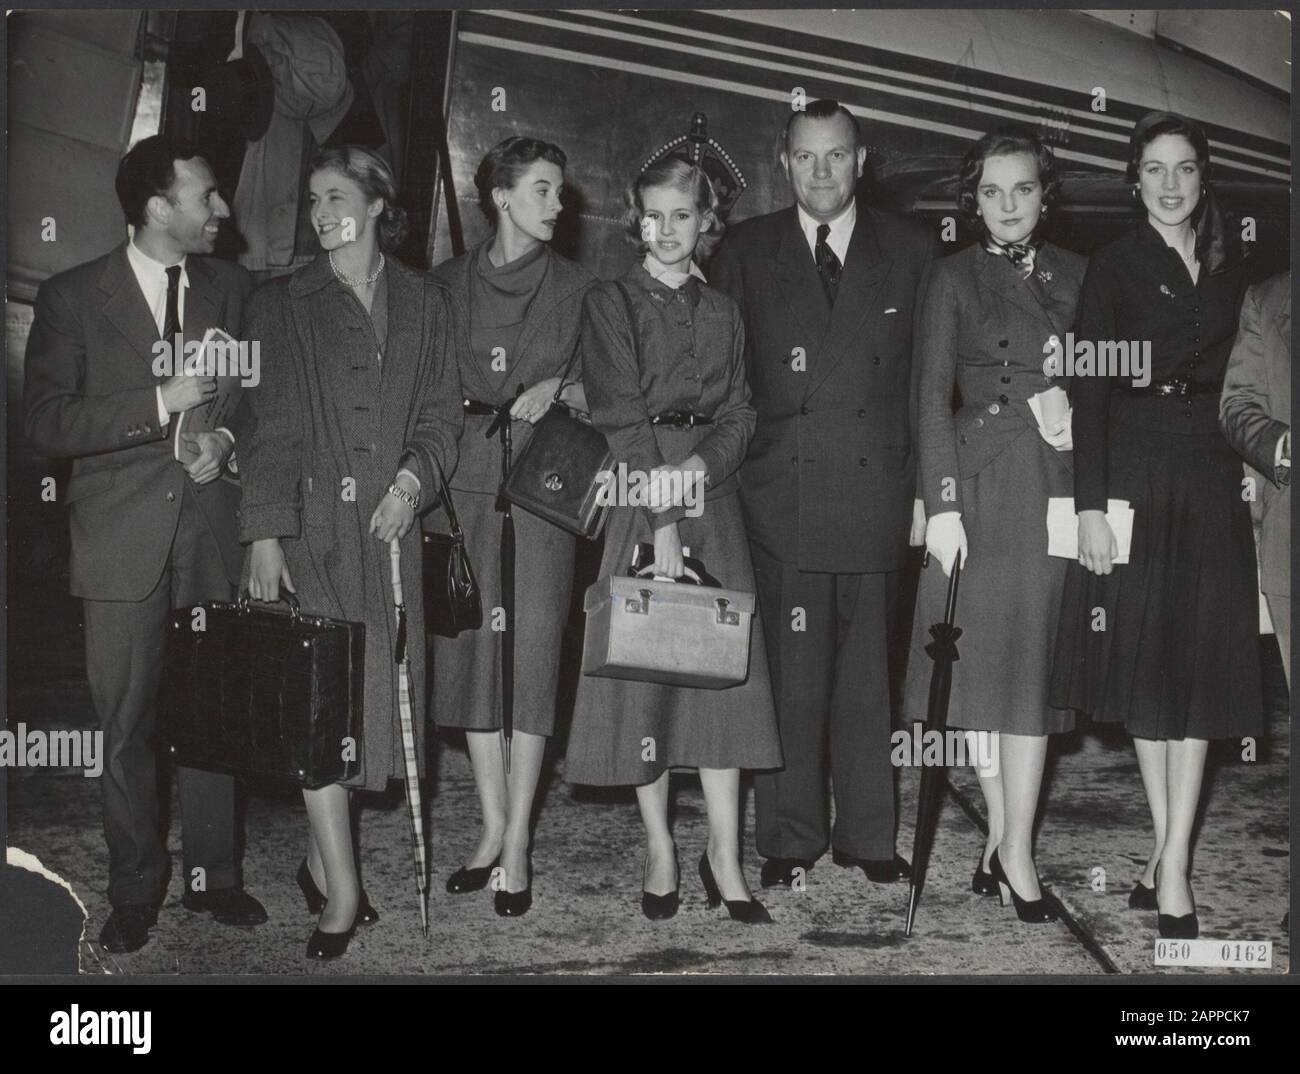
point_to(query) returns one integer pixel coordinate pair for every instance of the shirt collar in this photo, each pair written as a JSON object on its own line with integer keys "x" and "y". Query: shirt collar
{"x": 147, "y": 269}
{"x": 669, "y": 276}
{"x": 841, "y": 227}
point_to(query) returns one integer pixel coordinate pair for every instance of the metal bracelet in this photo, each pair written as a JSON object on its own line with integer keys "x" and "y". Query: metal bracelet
{"x": 412, "y": 501}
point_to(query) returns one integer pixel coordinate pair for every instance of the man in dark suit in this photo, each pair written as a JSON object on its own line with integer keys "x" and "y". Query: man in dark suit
{"x": 148, "y": 533}
{"x": 827, "y": 288}
{"x": 1255, "y": 415}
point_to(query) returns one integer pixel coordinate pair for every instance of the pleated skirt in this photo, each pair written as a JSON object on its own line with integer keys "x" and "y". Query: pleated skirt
{"x": 1167, "y": 644}
{"x": 629, "y": 733}
{"x": 1008, "y": 599}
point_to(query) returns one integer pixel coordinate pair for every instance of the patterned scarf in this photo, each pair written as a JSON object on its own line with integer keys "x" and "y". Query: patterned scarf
{"x": 1020, "y": 254}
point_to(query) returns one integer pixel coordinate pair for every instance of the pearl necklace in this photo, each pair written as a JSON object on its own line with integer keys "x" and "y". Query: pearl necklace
{"x": 357, "y": 283}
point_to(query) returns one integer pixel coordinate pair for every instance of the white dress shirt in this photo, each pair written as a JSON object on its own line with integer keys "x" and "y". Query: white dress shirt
{"x": 151, "y": 275}
{"x": 841, "y": 231}
{"x": 668, "y": 275}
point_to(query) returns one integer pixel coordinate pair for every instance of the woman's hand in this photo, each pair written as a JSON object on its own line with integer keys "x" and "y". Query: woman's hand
{"x": 668, "y": 552}
{"x": 394, "y": 517}
{"x": 945, "y": 539}
{"x": 535, "y": 402}
{"x": 678, "y": 486}
{"x": 268, "y": 571}
{"x": 1097, "y": 545}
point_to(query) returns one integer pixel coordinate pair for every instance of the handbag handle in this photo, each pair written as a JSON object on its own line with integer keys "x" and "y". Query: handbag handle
{"x": 294, "y": 609}
{"x": 689, "y": 577}
{"x": 636, "y": 343}
{"x": 452, "y": 520}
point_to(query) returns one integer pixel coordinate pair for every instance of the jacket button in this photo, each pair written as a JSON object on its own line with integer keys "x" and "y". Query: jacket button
{"x": 171, "y": 497}
{"x": 1005, "y": 380}
{"x": 862, "y": 461}
{"x": 785, "y": 359}
{"x": 994, "y": 408}
{"x": 979, "y": 423}
{"x": 875, "y": 360}
{"x": 1003, "y": 400}
{"x": 1004, "y": 343}
{"x": 803, "y": 410}
{"x": 862, "y": 413}
{"x": 962, "y": 438}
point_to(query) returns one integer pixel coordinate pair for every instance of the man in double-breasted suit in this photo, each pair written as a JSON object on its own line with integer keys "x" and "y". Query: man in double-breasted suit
{"x": 1255, "y": 414}
{"x": 149, "y": 534}
{"x": 827, "y": 289}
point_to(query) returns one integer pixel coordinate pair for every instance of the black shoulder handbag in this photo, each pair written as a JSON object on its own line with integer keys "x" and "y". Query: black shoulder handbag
{"x": 451, "y": 595}
{"x": 558, "y": 474}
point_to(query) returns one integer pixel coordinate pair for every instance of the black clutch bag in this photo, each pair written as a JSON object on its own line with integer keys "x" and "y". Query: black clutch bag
{"x": 262, "y": 692}
{"x": 451, "y": 595}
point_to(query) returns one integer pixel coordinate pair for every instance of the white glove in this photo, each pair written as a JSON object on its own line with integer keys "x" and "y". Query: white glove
{"x": 945, "y": 536}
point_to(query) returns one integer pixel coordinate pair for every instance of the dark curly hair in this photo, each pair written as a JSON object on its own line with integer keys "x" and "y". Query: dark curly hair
{"x": 375, "y": 178}
{"x": 506, "y": 162}
{"x": 147, "y": 171}
{"x": 1000, "y": 143}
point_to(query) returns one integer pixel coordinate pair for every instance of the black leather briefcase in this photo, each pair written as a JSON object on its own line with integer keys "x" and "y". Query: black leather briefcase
{"x": 257, "y": 691}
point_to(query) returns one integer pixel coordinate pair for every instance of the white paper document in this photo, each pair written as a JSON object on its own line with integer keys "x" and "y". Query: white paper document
{"x": 1063, "y": 527}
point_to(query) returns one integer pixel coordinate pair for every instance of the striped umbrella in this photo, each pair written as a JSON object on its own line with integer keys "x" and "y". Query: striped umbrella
{"x": 408, "y": 739}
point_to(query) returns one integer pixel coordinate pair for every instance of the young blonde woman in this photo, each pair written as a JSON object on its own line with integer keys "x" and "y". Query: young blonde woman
{"x": 358, "y": 406}
{"x": 665, "y": 379}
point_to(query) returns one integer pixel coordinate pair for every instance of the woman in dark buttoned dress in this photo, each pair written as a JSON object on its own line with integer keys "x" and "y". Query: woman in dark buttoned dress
{"x": 1166, "y": 644}
{"x": 516, "y": 307}
{"x": 357, "y": 408}
{"x": 991, "y": 314}
{"x": 669, "y": 393}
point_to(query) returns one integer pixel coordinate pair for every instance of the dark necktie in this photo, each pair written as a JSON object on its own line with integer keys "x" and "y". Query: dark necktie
{"x": 172, "y": 318}
{"x": 828, "y": 265}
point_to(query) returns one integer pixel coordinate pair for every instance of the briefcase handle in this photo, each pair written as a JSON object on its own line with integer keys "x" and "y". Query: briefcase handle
{"x": 690, "y": 577}
{"x": 285, "y": 595}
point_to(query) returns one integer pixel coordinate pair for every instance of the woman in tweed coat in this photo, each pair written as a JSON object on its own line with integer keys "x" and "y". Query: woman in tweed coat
{"x": 357, "y": 401}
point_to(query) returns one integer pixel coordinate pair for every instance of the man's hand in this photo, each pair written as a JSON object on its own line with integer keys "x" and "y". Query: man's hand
{"x": 183, "y": 392}
{"x": 211, "y": 451}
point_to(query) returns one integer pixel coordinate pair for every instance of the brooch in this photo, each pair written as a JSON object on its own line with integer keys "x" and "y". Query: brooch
{"x": 1044, "y": 276}
{"x": 1164, "y": 290}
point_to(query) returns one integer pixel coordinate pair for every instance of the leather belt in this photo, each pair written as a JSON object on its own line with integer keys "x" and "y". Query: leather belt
{"x": 681, "y": 419}
{"x": 1180, "y": 386}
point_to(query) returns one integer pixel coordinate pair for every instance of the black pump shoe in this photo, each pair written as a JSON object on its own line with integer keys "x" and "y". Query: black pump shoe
{"x": 466, "y": 880}
{"x": 515, "y": 903}
{"x": 1142, "y": 897}
{"x": 749, "y": 912}
{"x": 327, "y": 945}
{"x": 661, "y": 907}
{"x": 982, "y": 883}
{"x": 315, "y": 898}
{"x": 1186, "y": 927}
{"x": 1035, "y": 912}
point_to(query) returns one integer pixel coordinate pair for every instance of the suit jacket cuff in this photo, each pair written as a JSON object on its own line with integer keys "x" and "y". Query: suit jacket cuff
{"x": 269, "y": 520}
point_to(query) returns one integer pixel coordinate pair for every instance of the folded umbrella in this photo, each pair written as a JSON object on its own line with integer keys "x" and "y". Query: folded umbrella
{"x": 943, "y": 651}
{"x": 501, "y": 426}
{"x": 413, "y": 803}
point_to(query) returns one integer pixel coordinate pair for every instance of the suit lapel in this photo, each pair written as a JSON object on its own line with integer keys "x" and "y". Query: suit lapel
{"x": 125, "y": 306}
{"x": 796, "y": 274}
{"x": 1003, "y": 280}
{"x": 865, "y": 270}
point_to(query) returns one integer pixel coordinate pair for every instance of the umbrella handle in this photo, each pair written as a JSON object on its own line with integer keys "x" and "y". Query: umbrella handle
{"x": 950, "y": 607}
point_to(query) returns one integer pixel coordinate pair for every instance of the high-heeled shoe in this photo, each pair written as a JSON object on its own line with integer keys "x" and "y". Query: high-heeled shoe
{"x": 1142, "y": 897}
{"x": 747, "y": 911}
{"x": 464, "y": 880}
{"x": 315, "y": 898}
{"x": 1182, "y": 927}
{"x": 661, "y": 907}
{"x": 1034, "y": 912}
{"x": 982, "y": 883}
{"x": 515, "y": 903}
{"x": 327, "y": 945}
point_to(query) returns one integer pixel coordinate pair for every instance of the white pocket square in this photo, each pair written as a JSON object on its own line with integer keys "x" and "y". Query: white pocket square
{"x": 892, "y": 309}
